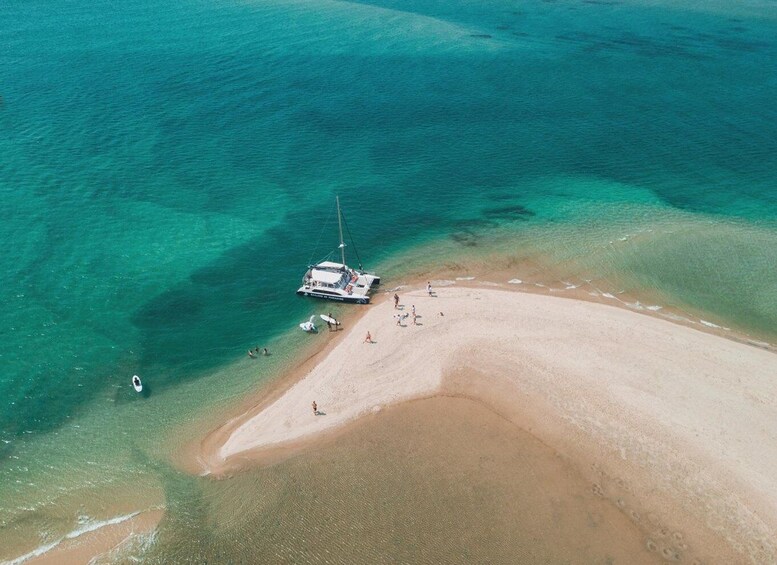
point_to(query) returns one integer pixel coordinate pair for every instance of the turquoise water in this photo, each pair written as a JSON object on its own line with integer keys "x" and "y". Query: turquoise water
{"x": 166, "y": 171}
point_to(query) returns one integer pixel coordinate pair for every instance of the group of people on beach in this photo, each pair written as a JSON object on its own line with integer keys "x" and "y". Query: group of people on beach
{"x": 399, "y": 318}
{"x": 404, "y": 316}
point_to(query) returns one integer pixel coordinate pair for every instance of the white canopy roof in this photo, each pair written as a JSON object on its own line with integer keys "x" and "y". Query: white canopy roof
{"x": 326, "y": 276}
{"x": 330, "y": 265}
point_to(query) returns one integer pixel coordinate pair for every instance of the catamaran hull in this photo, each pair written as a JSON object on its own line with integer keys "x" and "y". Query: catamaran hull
{"x": 347, "y": 299}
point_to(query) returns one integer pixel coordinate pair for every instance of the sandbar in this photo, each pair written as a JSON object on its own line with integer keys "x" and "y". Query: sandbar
{"x": 676, "y": 427}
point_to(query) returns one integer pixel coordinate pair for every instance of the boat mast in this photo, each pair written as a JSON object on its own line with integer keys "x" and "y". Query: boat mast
{"x": 340, "y": 226}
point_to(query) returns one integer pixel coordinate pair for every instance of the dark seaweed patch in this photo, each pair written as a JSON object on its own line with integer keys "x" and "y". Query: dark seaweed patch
{"x": 481, "y": 35}
{"x": 465, "y": 238}
{"x": 514, "y": 212}
{"x": 473, "y": 224}
{"x": 638, "y": 44}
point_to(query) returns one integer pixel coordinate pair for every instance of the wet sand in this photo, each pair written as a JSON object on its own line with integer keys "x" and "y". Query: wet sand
{"x": 439, "y": 480}
{"x": 98, "y": 544}
{"x": 665, "y": 424}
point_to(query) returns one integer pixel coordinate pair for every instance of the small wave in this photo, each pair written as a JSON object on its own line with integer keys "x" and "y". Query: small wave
{"x": 87, "y": 526}
{"x": 711, "y": 325}
{"x": 514, "y": 281}
{"x": 607, "y": 295}
{"x": 465, "y": 278}
{"x": 572, "y": 286}
{"x": 444, "y": 282}
{"x": 676, "y": 317}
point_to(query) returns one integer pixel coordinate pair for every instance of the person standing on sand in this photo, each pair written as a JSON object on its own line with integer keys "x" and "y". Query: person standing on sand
{"x": 368, "y": 339}
{"x": 429, "y": 287}
{"x": 396, "y": 301}
{"x": 399, "y": 319}
{"x": 315, "y": 408}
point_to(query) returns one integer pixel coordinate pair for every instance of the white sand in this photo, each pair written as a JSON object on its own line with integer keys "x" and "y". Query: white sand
{"x": 664, "y": 412}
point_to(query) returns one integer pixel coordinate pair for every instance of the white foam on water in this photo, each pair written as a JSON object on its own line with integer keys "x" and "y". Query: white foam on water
{"x": 607, "y": 295}
{"x": 130, "y": 550}
{"x": 654, "y": 308}
{"x": 465, "y": 278}
{"x": 87, "y": 526}
{"x": 514, "y": 281}
{"x": 709, "y": 324}
{"x": 444, "y": 282}
{"x": 571, "y": 286}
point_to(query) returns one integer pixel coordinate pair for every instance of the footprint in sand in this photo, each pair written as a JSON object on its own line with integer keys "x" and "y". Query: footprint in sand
{"x": 679, "y": 539}
{"x": 670, "y": 554}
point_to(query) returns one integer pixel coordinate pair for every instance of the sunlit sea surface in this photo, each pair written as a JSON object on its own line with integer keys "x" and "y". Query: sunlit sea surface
{"x": 167, "y": 172}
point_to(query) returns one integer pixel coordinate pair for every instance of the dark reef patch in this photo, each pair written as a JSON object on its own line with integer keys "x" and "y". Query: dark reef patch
{"x": 466, "y": 238}
{"x": 514, "y": 212}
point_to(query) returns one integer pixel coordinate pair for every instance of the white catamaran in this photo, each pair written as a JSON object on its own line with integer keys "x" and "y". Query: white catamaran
{"x": 338, "y": 281}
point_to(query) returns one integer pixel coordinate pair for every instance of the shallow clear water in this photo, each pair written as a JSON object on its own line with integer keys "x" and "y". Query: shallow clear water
{"x": 166, "y": 172}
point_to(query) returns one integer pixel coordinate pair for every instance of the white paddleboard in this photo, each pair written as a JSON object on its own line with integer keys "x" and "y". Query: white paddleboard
{"x": 330, "y": 320}
{"x": 136, "y": 383}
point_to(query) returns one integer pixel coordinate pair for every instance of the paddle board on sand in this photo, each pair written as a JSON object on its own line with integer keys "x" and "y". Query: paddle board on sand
{"x": 330, "y": 320}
